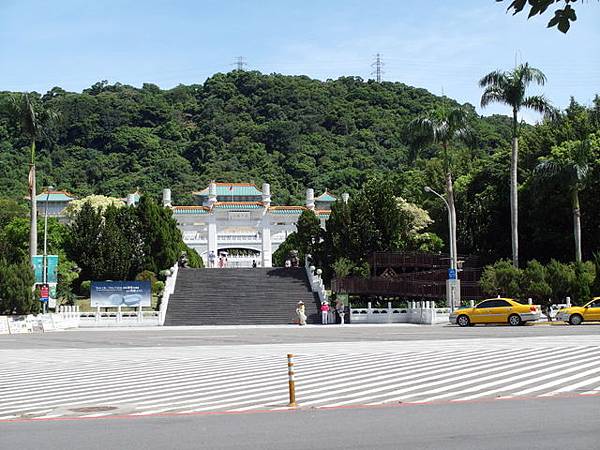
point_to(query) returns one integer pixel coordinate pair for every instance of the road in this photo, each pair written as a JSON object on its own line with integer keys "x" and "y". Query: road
{"x": 79, "y": 381}
{"x": 202, "y": 336}
{"x": 358, "y": 387}
{"x": 558, "y": 423}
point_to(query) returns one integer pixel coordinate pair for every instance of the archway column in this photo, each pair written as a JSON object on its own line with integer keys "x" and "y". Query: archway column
{"x": 266, "y": 242}
{"x": 212, "y": 237}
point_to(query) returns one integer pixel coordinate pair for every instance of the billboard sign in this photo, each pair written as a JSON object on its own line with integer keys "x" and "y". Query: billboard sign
{"x": 107, "y": 294}
{"x": 38, "y": 268}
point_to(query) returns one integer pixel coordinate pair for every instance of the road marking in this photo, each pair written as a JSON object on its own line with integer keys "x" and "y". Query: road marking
{"x": 155, "y": 380}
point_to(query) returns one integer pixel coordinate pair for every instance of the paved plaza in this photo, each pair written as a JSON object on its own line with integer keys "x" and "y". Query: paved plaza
{"x": 232, "y": 369}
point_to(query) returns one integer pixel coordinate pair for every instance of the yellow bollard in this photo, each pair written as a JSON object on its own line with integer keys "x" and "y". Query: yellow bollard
{"x": 291, "y": 381}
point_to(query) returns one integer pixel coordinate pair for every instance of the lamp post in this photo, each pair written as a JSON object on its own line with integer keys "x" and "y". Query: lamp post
{"x": 452, "y": 244}
{"x": 48, "y": 189}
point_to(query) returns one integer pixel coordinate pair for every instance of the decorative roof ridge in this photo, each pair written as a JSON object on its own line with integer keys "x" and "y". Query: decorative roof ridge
{"x": 276, "y": 207}
{"x": 224, "y": 183}
{"x": 206, "y": 208}
{"x": 323, "y": 211}
{"x": 238, "y": 203}
{"x": 57, "y": 192}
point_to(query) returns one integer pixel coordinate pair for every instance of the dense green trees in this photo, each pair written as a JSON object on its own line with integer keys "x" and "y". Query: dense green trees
{"x": 295, "y": 132}
{"x": 544, "y": 284}
{"x": 119, "y": 243}
{"x": 373, "y": 220}
{"x": 571, "y": 162}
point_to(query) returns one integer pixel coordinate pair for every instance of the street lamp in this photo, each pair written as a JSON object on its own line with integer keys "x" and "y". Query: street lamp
{"x": 48, "y": 189}
{"x": 452, "y": 239}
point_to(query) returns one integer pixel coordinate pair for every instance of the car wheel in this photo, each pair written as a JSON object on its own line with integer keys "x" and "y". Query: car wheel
{"x": 514, "y": 320}
{"x": 463, "y": 321}
{"x": 575, "y": 319}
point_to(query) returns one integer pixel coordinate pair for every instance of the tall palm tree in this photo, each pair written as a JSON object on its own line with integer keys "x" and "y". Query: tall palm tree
{"x": 32, "y": 118}
{"x": 440, "y": 126}
{"x": 572, "y": 162}
{"x": 509, "y": 87}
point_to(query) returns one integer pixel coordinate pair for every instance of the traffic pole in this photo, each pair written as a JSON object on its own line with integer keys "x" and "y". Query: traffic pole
{"x": 291, "y": 381}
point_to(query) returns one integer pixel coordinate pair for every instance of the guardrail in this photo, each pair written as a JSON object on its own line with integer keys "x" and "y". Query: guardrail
{"x": 416, "y": 312}
{"x": 40, "y": 323}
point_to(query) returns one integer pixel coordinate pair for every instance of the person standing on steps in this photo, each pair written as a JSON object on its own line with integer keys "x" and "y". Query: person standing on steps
{"x": 324, "y": 312}
{"x": 254, "y": 264}
{"x": 300, "y": 312}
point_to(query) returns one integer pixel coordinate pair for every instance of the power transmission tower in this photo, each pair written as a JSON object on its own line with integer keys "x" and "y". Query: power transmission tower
{"x": 378, "y": 64}
{"x": 240, "y": 62}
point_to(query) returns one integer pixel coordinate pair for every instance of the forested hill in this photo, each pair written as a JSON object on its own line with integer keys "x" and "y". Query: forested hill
{"x": 296, "y": 132}
{"x": 291, "y": 131}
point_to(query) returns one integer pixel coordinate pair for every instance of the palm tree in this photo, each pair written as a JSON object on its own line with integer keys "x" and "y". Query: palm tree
{"x": 509, "y": 87}
{"x": 32, "y": 118}
{"x": 572, "y": 162}
{"x": 440, "y": 126}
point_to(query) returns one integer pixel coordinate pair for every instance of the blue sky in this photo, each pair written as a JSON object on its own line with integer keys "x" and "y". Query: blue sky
{"x": 436, "y": 44}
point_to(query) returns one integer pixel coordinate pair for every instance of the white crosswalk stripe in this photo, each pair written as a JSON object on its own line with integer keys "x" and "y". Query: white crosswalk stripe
{"x": 153, "y": 380}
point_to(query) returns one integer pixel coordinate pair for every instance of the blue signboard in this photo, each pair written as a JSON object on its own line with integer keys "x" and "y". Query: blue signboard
{"x": 52, "y": 267}
{"x": 452, "y": 274}
{"x": 108, "y": 294}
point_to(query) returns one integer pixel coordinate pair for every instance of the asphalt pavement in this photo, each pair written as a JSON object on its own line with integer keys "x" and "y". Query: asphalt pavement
{"x": 557, "y": 423}
{"x": 196, "y": 336}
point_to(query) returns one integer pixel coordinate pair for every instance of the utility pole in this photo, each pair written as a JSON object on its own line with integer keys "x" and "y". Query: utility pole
{"x": 239, "y": 63}
{"x": 378, "y": 65}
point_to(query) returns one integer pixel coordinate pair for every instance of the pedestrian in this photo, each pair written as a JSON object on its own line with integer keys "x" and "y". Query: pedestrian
{"x": 288, "y": 264}
{"x": 220, "y": 262}
{"x": 341, "y": 310}
{"x": 324, "y": 312}
{"x": 254, "y": 264}
{"x": 211, "y": 259}
{"x": 300, "y": 312}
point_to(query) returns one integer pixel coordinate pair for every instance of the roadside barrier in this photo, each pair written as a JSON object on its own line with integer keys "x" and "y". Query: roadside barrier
{"x": 37, "y": 324}
{"x": 291, "y": 381}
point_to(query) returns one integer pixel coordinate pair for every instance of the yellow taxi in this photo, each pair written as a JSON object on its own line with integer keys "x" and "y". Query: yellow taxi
{"x": 575, "y": 315}
{"x": 496, "y": 310}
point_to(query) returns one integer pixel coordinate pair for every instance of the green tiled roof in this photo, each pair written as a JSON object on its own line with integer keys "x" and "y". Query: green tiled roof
{"x": 325, "y": 197}
{"x": 54, "y": 197}
{"x": 185, "y": 210}
{"x": 235, "y": 189}
{"x": 238, "y": 205}
{"x": 286, "y": 211}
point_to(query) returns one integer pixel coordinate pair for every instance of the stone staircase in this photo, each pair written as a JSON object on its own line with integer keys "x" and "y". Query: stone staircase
{"x": 261, "y": 296}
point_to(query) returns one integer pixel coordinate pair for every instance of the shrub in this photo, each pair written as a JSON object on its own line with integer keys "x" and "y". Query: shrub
{"x": 85, "y": 288}
{"x": 158, "y": 287}
{"x": 501, "y": 278}
{"x": 146, "y": 275}
{"x": 342, "y": 267}
{"x": 534, "y": 283}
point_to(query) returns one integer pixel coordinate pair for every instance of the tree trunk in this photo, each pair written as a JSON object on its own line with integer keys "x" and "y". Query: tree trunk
{"x": 514, "y": 200}
{"x": 33, "y": 213}
{"x": 452, "y": 218}
{"x": 576, "y": 223}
